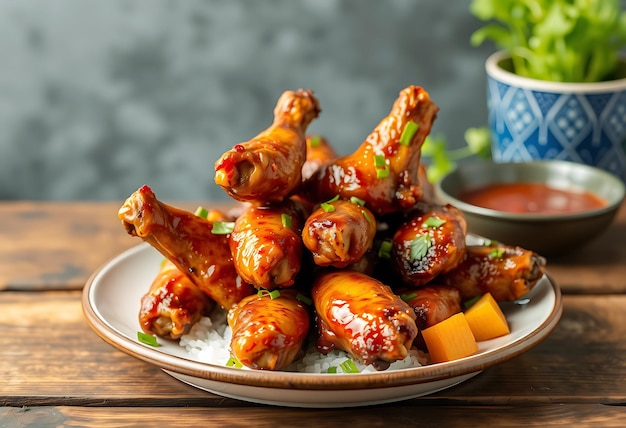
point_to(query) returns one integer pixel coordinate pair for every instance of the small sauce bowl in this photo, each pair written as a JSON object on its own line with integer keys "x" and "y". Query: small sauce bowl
{"x": 573, "y": 203}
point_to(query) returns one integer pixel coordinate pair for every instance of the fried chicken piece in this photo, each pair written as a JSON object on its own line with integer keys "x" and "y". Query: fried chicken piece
{"x": 266, "y": 245}
{"x": 430, "y": 243}
{"x": 269, "y": 333}
{"x": 339, "y": 233}
{"x": 428, "y": 189}
{"x": 432, "y": 303}
{"x": 506, "y": 272}
{"x": 188, "y": 242}
{"x": 268, "y": 167}
{"x": 383, "y": 171}
{"x": 318, "y": 152}
{"x": 362, "y": 316}
{"x": 172, "y": 304}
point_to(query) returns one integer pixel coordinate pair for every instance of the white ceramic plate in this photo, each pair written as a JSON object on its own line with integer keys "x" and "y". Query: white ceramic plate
{"x": 111, "y": 305}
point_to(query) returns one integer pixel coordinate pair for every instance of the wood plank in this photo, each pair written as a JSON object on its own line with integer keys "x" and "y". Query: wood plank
{"x": 598, "y": 267}
{"x": 414, "y": 414}
{"x": 49, "y": 356}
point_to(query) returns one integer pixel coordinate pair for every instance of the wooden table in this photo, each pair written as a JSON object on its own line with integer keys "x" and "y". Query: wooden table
{"x": 54, "y": 371}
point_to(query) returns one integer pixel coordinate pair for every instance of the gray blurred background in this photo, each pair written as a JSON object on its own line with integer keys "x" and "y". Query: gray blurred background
{"x": 98, "y": 97}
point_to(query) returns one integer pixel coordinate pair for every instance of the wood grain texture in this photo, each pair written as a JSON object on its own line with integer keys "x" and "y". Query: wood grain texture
{"x": 405, "y": 415}
{"x": 60, "y": 361}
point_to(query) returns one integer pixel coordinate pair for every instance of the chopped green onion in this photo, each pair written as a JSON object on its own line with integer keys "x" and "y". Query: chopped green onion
{"x": 272, "y": 294}
{"x": 332, "y": 369}
{"x": 327, "y": 206}
{"x": 360, "y": 202}
{"x": 147, "y": 339}
{"x": 497, "y": 253}
{"x": 367, "y": 216}
{"x": 407, "y": 297}
{"x": 315, "y": 141}
{"x": 223, "y": 227}
{"x": 487, "y": 242}
{"x": 286, "y": 219}
{"x": 202, "y": 212}
{"x": 468, "y": 303}
{"x": 382, "y": 173}
{"x": 234, "y": 362}
{"x": 420, "y": 246}
{"x": 408, "y": 132}
{"x": 433, "y": 222}
{"x": 379, "y": 161}
{"x": 304, "y": 299}
{"x": 382, "y": 169}
{"x": 384, "y": 252}
{"x": 348, "y": 366}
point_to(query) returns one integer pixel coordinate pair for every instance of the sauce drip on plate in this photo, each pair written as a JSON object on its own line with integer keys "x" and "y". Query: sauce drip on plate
{"x": 532, "y": 198}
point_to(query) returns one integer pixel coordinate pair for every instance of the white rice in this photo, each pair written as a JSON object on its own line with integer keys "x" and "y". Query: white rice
{"x": 208, "y": 341}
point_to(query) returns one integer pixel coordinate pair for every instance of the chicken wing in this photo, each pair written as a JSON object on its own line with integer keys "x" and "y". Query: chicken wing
{"x": 269, "y": 332}
{"x": 268, "y": 167}
{"x": 187, "y": 241}
{"x": 339, "y": 233}
{"x": 172, "y": 304}
{"x": 430, "y": 243}
{"x": 432, "y": 303}
{"x": 383, "y": 171}
{"x": 504, "y": 271}
{"x": 318, "y": 152}
{"x": 266, "y": 244}
{"x": 362, "y": 316}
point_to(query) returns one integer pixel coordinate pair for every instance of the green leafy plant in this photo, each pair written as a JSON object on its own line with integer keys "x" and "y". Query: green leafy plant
{"x": 555, "y": 40}
{"x": 440, "y": 160}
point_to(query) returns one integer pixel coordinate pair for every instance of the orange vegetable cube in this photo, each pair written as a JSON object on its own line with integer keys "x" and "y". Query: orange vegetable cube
{"x": 450, "y": 339}
{"x": 486, "y": 319}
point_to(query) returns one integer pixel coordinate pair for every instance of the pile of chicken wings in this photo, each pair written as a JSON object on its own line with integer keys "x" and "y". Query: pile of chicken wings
{"x": 352, "y": 252}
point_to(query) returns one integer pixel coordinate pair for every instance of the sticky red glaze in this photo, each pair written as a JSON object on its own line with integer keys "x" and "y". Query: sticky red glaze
{"x": 340, "y": 237}
{"x": 174, "y": 297}
{"x": 535, "y": 198}
{"x": 268, "y": 167}
{"x": 447, "y": 244}
{"x": 362, "y": 316}
{"x": 357, "y": 173}
{"x": 188, "y": 242}
{"x": 269, "y": 333}
{"x": 506, "y": 272}
{"x": 266, "y": 253}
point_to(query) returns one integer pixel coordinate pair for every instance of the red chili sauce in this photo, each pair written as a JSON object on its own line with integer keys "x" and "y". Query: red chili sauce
{"x": 532, "y": 198}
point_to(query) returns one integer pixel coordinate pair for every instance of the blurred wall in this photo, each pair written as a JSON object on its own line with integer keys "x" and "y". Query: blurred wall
{"x": 98, "y": 97}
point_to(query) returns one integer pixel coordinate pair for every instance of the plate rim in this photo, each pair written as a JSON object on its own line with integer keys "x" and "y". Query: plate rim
{"x": 306, "y": 381}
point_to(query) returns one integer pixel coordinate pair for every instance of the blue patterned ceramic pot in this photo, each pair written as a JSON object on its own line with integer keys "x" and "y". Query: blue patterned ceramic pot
{"x": 535, "y": 119}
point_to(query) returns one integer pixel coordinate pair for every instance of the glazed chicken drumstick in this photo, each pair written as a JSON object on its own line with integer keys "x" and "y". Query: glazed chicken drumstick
{"x": 269, "y": 332}
{"x": 383, "y": 171}
{"x": 187, "y": 241}
{"x": 318, "y": 152}
{"x": 362, "y": 316}
{"x": 339, "y": 233}
{"x": 506, "y": 272}
{"x": 172, "y": 304}
{"x": 268, "y": 167}
{"x": 266, "y": 244}
{"x": 429, "y": 243}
